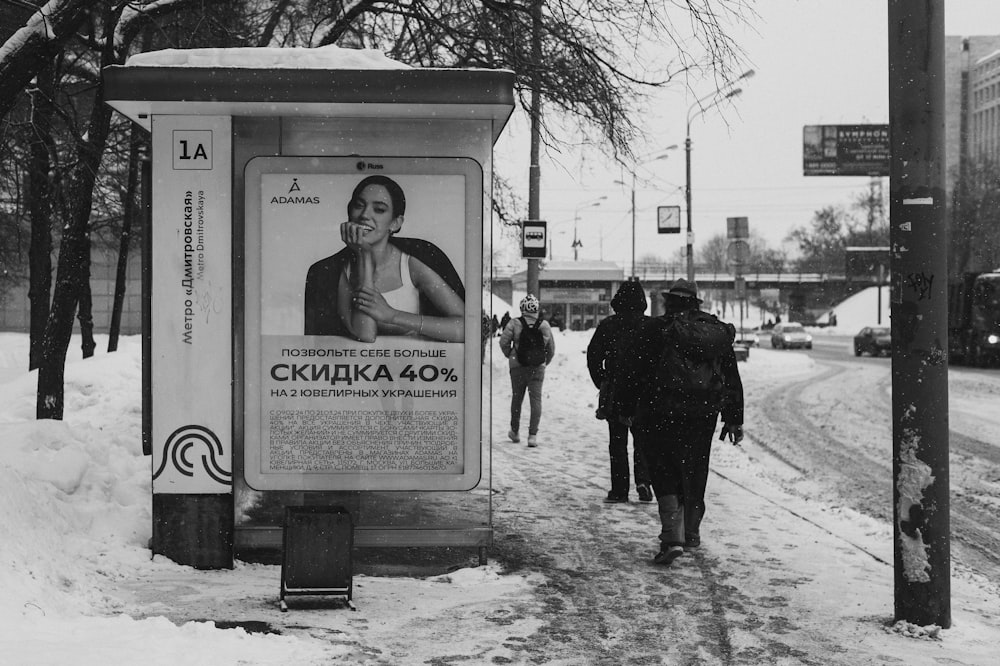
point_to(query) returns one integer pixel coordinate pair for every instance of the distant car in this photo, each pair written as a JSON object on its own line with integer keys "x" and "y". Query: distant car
{"x": 742, "y": 351}
{"x": 790, "y": 336}
{"x": 748, "y": 337}
{"x": 874, "y": 340}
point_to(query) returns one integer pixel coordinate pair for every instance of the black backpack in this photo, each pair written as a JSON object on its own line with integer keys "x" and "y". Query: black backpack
{"x": 531, "y": 344}
{"x": 689, "y": 372}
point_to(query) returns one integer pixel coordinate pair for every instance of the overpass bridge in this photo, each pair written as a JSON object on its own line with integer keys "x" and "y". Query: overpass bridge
{"x": 580, "y": 292}
{"x": 803, "y": 295}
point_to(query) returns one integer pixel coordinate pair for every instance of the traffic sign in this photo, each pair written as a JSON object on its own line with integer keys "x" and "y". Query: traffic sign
{"x": 737, "y": 227}
{"x": 738, "y": 252}
{"x": 533, "y": 239}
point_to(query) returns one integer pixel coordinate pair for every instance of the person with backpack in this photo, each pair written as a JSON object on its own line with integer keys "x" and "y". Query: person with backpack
{"x": 677, "y": 378}
{"x": 613, "y": 335}
{"x": 528, "y": 344}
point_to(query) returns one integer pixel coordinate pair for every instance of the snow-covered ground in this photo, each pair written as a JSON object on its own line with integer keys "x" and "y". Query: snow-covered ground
{"x": 76, "y": 521}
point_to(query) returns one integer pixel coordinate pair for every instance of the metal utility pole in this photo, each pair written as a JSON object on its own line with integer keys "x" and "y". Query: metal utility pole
{"x": 919, "y": 274}
{"x": 689, "y": 245}
{"x": 534, "y": 170}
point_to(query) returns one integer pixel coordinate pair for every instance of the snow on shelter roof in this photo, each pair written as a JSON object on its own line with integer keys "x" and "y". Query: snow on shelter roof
{"x": 328, "y": 81}
{"x": 323, "y": 57}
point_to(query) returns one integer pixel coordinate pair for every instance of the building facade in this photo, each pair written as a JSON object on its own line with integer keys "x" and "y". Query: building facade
{"x": 972, "y": 101}
{"x": 575, "y": 295}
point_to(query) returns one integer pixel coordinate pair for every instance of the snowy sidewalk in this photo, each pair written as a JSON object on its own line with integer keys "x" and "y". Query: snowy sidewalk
{"x": 778, "y": 580}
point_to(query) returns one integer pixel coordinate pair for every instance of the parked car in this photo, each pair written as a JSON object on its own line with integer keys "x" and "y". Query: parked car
{"x": 874, "y": 340}
{"x": 748, "y": 337}
{"x": 790, "y": 336}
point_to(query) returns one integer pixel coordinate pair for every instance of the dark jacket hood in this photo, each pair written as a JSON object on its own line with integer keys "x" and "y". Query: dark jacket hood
{"x": 630, "y": 298}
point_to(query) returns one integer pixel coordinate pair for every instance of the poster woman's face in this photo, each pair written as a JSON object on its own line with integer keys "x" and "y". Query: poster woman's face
{"x": 373, "y": 209}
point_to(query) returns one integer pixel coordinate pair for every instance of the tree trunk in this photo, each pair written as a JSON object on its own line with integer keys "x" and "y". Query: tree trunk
{"x": 40, "y": 213}
{"x": 72, "y": 271}
{"x": 85, "y": 306}
{"x": 129, "y": 213}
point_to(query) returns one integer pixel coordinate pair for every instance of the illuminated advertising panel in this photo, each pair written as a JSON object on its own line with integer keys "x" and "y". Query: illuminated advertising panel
{"x": 362, "y": 336}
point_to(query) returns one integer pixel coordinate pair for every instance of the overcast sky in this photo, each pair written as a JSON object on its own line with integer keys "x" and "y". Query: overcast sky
{"x": 816, "y": 62}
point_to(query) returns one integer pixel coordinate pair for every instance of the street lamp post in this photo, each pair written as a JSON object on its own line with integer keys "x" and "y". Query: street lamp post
{"x": 577, "y": 244}
{"x": 664, "y": 155}
{"x": 729, "y": 94}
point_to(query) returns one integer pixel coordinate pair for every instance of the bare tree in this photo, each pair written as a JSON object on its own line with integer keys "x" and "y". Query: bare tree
{"x": 29, "y": 50}
{"x": 584, "y": 73}
{"x": 93, "y": 35}
{"x": 822, "y": 243}
{"x": 761, "y": 258}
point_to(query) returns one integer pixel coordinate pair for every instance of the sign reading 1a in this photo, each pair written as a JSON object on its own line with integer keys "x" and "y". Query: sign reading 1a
{"x": 192, "y": 149}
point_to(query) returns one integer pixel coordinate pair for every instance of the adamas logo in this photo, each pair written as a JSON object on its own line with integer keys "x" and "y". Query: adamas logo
{"x": 294, "y": 196}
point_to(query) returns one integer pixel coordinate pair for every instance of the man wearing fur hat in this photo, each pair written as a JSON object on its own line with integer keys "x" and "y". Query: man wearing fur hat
{"x": 527, "y": 374}
{"x": 681, "y": 373}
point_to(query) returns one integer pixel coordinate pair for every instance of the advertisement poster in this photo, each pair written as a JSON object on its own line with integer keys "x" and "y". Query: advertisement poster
{"x": 191, "y": 305}
{"x": 362, "y": 335}
{"x": 845, "y": 150}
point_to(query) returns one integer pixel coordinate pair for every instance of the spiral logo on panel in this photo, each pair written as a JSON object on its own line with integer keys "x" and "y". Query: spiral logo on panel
{"x": 188, "y": 443}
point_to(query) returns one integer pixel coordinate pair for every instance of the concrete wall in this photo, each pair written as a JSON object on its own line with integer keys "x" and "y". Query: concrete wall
{"x": 14, "y": 305}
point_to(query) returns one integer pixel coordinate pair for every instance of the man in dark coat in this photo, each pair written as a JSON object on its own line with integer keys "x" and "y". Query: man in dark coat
{"x": 680, "y": 374}
{"x": 612, "y": 335}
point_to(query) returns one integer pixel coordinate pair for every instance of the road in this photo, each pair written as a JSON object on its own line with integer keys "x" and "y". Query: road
{"x": 828, "y": 436}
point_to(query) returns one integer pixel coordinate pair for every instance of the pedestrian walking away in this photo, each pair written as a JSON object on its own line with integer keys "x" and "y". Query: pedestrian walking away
{"x": 613, "y": 335}
{"x": 676, "y": 379}
{"x": 529, "y": 346}
{"x": 504, "y": 321}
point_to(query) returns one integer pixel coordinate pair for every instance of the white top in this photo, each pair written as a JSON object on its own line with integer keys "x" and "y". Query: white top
{"x": 405, "y": 298}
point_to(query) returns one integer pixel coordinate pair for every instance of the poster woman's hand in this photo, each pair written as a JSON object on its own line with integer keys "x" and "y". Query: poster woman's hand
{"x": 370, "y": 302}
{"x": 354, "y": 235}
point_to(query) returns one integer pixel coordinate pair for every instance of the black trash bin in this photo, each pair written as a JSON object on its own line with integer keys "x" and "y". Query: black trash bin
{"x": 316, "y": 555}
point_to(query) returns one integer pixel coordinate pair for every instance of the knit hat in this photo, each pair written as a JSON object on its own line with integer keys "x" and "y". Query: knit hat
{"x": 682, "y": 288}
{"x": 529, "y": 305}
{"x": 630, "y": 297}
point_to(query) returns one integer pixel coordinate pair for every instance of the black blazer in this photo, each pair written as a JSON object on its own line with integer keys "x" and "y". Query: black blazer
{"x": 321, "y": 316}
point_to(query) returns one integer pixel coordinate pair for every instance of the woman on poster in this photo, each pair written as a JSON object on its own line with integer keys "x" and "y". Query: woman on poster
{"x": 381, "y": 284}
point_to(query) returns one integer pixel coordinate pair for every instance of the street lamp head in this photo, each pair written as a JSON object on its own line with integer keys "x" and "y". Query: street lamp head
{"x": 733, "y": 93}
{"x": 745, "y": 75}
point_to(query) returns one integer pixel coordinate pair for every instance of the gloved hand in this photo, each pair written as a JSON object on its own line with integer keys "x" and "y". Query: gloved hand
{"x": 734, "y": 431}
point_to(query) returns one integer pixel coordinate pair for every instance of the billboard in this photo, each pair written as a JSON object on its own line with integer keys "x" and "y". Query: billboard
{"x": 845, "y": 150}
{"x": 362, "y": 345}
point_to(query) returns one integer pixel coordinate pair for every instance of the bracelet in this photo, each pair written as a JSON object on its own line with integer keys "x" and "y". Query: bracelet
{"x": 420, "y": 328}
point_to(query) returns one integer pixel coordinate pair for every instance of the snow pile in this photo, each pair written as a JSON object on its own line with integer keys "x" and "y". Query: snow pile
{"x": 76, "y": 519}
{"x": 496, "y": 305}
{"x": 931, "y": 632}
{"x": 860, "y": 310}
{"x": 324, "y": 57}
